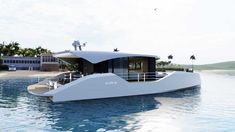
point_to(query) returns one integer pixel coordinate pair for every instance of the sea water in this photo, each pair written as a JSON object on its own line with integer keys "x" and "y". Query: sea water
{"x": 209, "y": 108}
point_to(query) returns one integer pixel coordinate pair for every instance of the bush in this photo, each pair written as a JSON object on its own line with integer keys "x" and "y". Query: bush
{"x": 161, "y": 69}
{"x": 74, "y": 67}
{"x": 175, "y": 69}
{"x": 169, "y": 69}
{"x": 3, "y": 67}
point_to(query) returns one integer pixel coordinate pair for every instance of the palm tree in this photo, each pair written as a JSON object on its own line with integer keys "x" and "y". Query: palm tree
{"x": 14, "y": 48}
{"x": 39, "y": 50}
{"x": 115, "y": 49}
{"x": 192, "y": 57}
{"x": 21, "y": 52}
{"x": 10, "y": 49}
{"x": 30, "y": 52}
{"x": 170, "y": 57}
{"x": 1, "y": 49}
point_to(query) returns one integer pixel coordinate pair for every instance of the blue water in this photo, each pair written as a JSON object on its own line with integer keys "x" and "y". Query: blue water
{"x": 209, "y": 108}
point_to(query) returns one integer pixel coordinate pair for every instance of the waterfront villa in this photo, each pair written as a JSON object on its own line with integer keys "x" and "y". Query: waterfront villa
{"x": 45, "y": 62}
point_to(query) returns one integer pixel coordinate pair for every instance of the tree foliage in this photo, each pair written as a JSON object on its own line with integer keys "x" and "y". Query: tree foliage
{"x": 170, "y": 57}
{"x": 163, "y": 63}
{"x": 192, "y": 57}
{"x": 13, "y": 48}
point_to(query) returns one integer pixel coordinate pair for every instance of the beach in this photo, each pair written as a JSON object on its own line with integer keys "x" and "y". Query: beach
{"x": 26, "y": 73}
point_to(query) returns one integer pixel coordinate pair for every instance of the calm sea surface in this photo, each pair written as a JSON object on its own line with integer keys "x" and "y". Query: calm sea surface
{"x": 209, "y": 108}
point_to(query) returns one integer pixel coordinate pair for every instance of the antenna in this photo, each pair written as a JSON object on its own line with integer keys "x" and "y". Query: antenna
{"x": 76, "y": 44}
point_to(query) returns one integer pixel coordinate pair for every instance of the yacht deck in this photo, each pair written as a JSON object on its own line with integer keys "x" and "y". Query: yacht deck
{"x": 38, "y": 89}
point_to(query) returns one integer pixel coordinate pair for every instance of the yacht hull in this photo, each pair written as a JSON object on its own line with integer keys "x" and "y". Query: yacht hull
{"x": 109, "y": 85}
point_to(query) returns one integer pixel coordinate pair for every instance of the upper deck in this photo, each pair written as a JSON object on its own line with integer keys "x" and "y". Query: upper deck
{"x": 122, "y": 64}
{"x": 99, "y": 56}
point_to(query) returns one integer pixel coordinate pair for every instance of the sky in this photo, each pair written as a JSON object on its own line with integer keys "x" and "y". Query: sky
{"x": 205, "y": 28}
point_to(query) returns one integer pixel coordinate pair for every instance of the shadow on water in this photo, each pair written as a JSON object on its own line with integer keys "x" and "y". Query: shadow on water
{"x": 90, "y": 115}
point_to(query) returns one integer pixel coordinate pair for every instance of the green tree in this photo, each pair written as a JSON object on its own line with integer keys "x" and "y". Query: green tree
{"x": 30, "y": 52}
{"x": 162, "y": 64}
{"x": 12, "y": 48}
{"x": 1, "y": 49}
{"x": 170, "y": 57}
{"x": 39, "y": 50}
{"x": 22, "y": 52}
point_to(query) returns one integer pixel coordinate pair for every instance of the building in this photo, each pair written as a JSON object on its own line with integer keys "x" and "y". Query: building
{"x": 22, "y": 63}
{"x": 45, "y": 62}
{"x": 49, "y": 63}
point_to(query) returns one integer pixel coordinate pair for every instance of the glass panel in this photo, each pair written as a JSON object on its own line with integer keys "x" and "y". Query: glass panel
{"x": 120, "y": 67}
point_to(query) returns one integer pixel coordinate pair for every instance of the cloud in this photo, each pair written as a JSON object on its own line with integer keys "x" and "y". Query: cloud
{"x": 181, "y": 27}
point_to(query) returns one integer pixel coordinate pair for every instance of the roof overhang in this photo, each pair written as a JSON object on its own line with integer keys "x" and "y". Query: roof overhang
{"x": 98, "y": 56}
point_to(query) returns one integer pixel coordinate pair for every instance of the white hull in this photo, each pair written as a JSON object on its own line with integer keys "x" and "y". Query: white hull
{"x": 109, "y": 85}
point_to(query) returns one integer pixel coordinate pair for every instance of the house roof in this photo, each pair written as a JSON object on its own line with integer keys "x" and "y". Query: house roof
{"x": 97, "y": 56}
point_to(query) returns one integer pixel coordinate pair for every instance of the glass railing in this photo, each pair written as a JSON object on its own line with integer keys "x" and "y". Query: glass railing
{"x": 141, "y": 76}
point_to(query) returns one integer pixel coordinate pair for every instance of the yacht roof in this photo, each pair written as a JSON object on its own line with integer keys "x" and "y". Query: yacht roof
{"x": 98, "y": 56}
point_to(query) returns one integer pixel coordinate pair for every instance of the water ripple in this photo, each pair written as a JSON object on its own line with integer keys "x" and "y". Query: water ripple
{"x": 210, "y": 108}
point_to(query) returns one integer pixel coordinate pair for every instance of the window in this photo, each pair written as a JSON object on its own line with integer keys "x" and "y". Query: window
{"x": 135, "y": 65}
{"x": 131, "y": 66}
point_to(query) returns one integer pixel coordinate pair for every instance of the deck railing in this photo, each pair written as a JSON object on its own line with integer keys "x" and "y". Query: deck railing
{"x": 141, "y": 76}
{"x": 65, "y": 78}
{"x": 131, "y": 77}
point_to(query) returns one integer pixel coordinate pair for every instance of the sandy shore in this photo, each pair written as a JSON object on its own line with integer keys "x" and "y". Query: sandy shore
{"x": 25, "y": 73}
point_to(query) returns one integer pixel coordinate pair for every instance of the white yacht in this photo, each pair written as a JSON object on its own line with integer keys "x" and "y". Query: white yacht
{"x": 111, "y": 74}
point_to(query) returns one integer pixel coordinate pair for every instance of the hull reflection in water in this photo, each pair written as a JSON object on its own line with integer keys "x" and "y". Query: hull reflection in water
{"x": 171, "y": 114}
{"x": 117, "y": 113}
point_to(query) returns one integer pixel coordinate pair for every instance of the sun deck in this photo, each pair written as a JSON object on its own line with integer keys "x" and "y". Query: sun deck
{"x": 38, "y": 89}
{"x": 53, "y": 83}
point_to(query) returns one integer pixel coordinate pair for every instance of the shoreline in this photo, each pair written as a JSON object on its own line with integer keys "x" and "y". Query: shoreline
{"x": 26, "y": 73}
